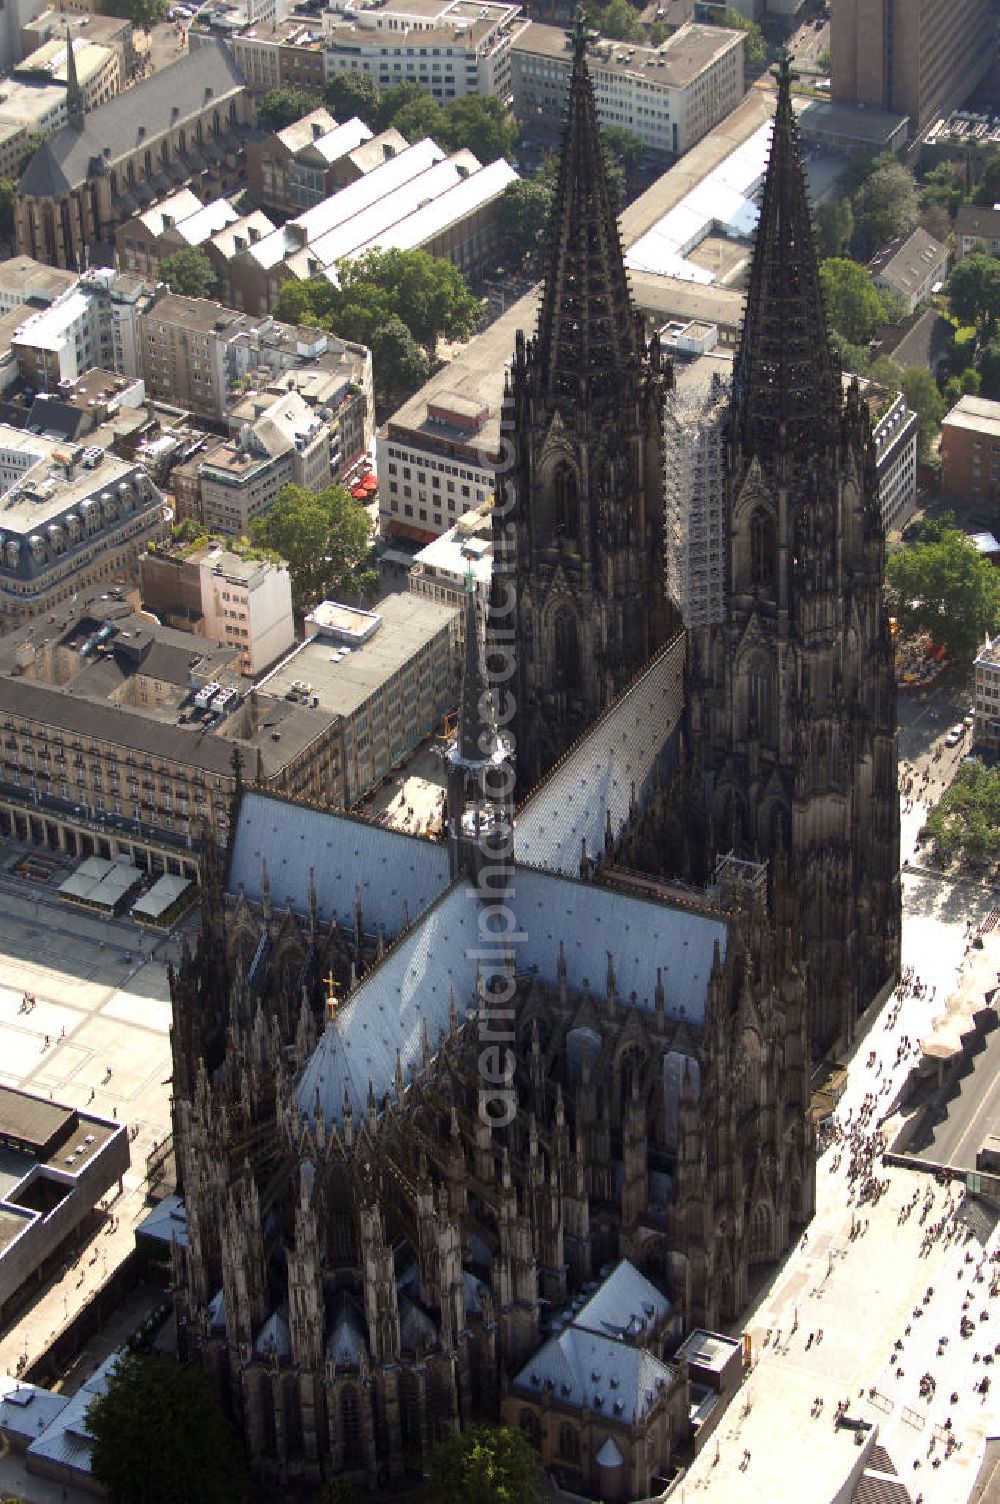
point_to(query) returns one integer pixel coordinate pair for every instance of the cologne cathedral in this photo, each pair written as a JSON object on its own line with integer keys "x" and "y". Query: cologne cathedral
{"x": 484, "y": 1126}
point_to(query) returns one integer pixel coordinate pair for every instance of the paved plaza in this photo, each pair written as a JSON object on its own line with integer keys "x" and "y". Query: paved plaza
{"x": 97, "y": 1037}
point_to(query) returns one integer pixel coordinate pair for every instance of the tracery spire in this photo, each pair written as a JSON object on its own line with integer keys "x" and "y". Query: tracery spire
{"x": 786, "y": 384}
{"x": 74, "y": 94}
{"x": 476, "y": 735}
{"x": 589, "y": 337}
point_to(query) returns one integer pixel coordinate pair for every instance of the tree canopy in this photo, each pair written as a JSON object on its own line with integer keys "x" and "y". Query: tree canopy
{"x": 426, "y": 292}
{"x": 620, "y": 22}
{"x": 324, "y": 537}
{"x": 486, "y": 1465}
{"x": 160, "y": 1436}
{"x": 283, "y": 106}
{"x": 853, "y": 304}
{"x": 834, "y": 226}
{"x": 522, "y": 220}
{"x": 974, "y": 292}
{"x": 988, "y": 191}
{"x": 401, "y": 362}
{"x": 755, "y": 48}
{"x": 946, "y": 589}
{"x": 483, "y": 124}
{"x": 143, "y": 14}
{"x": 921, "y": 392}
{"x": 352, "y": 93}
{"x": 27, "y": 151}
{"x": 966, "y": 819}
{"x": 6, "y": 207}
{"x": 189, "y": 273}
{"x": 885, "y": 205}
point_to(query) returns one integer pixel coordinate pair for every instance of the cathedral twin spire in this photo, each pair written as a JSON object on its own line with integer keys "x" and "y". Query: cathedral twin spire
{"x": 589, "y": 338}
{"x": 786, "y": 383}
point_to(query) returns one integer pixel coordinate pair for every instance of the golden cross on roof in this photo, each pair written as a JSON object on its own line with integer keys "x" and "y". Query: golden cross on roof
{"x": 331, "y": 993}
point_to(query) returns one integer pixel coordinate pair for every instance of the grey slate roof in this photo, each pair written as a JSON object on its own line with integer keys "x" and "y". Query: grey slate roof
{"x": 348, "y": 856}
{"x": 412, "y": 987}
{"x": 579, "y": 1368}
{"x": 626, "y": 1304}
{"x": 592, "y": 786}
{"x": 64, "y": 161}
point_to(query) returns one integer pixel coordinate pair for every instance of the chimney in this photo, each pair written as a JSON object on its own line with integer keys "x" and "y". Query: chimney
{"x": 317, "y": 130}
{"x": 253, "y": 233}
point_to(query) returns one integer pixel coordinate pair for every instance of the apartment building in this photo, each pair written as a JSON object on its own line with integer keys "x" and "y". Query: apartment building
{"x": 220, "y": 364}
{"x": 94, "y": 322}
{"x": 273, "y": 55}
{"x": 919, "y": 59}
{"x": 450, "y": 47}
{"x": 241, "y": 477}
{"x": 986, "y": 698}
{"x": 300, "y": 166}
{"x": 970, "y": 451}
{"x": 669, "y": 96}
{"x": 25, "y": 280}
{"x": 974, "y": 223}
{"x": 245, "y": 603}
{"x": 910, "y": 267}
{"x": 119, "y": 737}
{"x": 179, "y": 222}
{"x": 69, "y": 519}
{"x": 389, "y": 676}
{"x": 441, "y": 569}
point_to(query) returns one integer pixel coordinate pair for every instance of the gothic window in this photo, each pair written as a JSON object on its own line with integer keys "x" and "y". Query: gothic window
{"x": 758, "y": 692}
{"x": 350, "y": 1427}
{"x": 566, "y": 509}
{"x": 629, "y": 1070}
{"x": 567, "y": 651}
{"x": 760, "y": 1233}
{"x": 529, "y": 1424}
{"x": 762, "y": 550}
{"x": 569, "y": 1443}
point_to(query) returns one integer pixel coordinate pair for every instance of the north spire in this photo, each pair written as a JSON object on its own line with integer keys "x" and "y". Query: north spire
{"x": 74, "y": 94}
{"x": 588, "y": 338}
{"x": 786, "y": 383}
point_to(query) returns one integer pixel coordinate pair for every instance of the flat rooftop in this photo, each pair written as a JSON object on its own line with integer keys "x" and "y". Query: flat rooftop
{"x": 408, "y": 623}
{"x": 978, "y": 414}
{"x": 675, "y": 64}
{"x": 708, "y": 1349}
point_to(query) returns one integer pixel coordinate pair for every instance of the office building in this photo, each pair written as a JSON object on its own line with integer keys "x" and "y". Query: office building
{"x": 70, "y": 518}
{"x": 669, "y": 96}
{"x": 246, "y": 603}
{"x": 918, "y": 59}
{"x": 92, "y": 323}
{"x": 450, "y": 47}
{"x": 970, "y": 451}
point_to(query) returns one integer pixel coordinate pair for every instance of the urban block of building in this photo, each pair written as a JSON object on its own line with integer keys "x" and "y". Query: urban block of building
{"x": 917, "y": 59}
{"x": 94, "y": 322}
{"x": 669, "y": 96}
{"x": 986, "y": 701}
{"x": 419, "y": 198}
{"x": 453, "y": 48}
{"x": 186, "y": 124}
{"x": 910, "y": 267}
{"x": 295, "y": 168}
{"x": 51, "y": 24}
{"x": 117, "y": 736}
{"x": 179, "y": 223}
{"x": 970, "y": 451}
{"x": 69, "y": 519}
{"x": 271, "y": 55}
{"x": 58, "y": 1163}
{"x": 245, "y": 603}
{"x": 25, "y": 280}
{"x": 99, "y": 72}
{"x": 442, "y": 569}
{"x": 389, "y": 676}
{"x": 240, "y": 478}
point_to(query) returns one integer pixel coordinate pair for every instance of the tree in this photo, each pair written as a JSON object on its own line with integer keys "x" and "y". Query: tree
{"x": 483, "y": 124}
{"x": 26, "y": 153}
{"x": 324, "y": 537}
{"x": 974, "y": 292}
{"x": 755, "y": 50}
{"x": 6, "y": 207}
{"x": 624, "y": 146}
{"x": 946, "y": 589}
{"x": 988, "y": 191}
{"x": 486, "y": 1465}
{"x": 161, "y": 1437}
{"x": 281, "y": 107}
{"x": 620, "y": 23}
{"x": 887, "y": 372}
{"x": 522, "y": 220}
{"x": 189, "y": 273}
{"x": 884, "y": 206}
{"x": 921, "y": 392}
{"x": 966, "y": 818}
{"x": 399, "y": 364}
{"x": 989, "y": 372}
{"x": 144, "y": 14}
{"x": 392, "y": 100}
{"x": 853, "y": 304}
{"x": 657, "y": 33}
{"x": 420, "y": 117}
{"x": 428, "y": 293}
{"x": 352, "y": 93}
{"x": 834, "y": 226}
{"x": 824, "y": 61}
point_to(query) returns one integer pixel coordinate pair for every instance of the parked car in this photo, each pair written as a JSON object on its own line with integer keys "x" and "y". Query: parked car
{"x": 954, "y": 736}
